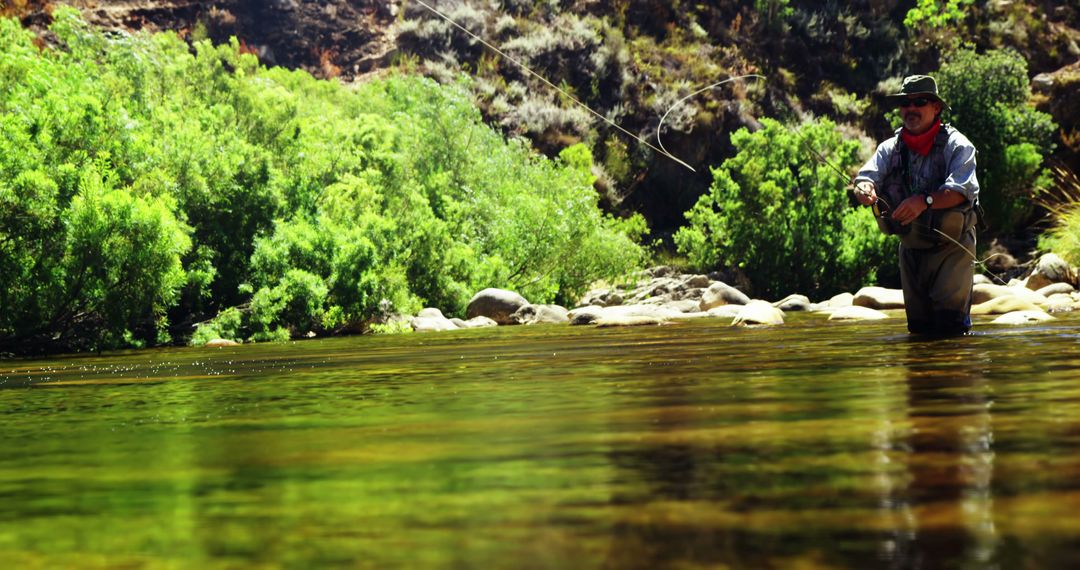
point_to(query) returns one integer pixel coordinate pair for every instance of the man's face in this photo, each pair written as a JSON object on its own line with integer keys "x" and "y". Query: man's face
{"x": 918, "y": 113}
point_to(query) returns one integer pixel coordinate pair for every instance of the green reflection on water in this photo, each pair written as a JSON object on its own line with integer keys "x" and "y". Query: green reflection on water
{"x": 809, "y": 445}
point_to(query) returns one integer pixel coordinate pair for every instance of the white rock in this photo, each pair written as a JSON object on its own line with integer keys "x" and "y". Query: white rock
{"x": 725, "y": 311}
{"x": 984, "y": 292}
{"x": 759, "y": 313}
{"x": 1022, "y": 318}
{"x": 793, "y": 302}
{"x": 721, "y": 293}
{"x": 841, "y": 300}
{"x": 879, "y": 298}
{"x": 628, "y": 321}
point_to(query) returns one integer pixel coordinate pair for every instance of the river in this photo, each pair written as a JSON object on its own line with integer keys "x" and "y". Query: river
{"x": 695, "y": 445}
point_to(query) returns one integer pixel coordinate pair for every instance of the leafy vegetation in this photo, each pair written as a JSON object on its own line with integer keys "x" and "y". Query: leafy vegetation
{"x": 783, "y": 216}
{"x": 146, "y": 185}
{"x": 936, "y": 13}
{"x": 988, "y": 95}
{"x": 262, "y": 203}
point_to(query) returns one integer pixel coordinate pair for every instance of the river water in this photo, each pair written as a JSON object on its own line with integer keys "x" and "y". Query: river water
{"x": 694, "y": 445}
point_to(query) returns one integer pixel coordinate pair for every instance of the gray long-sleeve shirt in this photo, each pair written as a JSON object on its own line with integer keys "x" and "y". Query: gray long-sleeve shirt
{"x": 959, "y": 160}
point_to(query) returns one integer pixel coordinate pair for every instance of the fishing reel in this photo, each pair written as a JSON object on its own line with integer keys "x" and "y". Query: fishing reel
{"x": 885, "y": 223}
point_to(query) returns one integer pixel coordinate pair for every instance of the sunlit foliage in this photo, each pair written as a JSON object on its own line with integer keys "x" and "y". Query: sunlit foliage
{"x": 782, "y": 216}
{"x": 146, "y": 185}
{"x": 988, "y": 95}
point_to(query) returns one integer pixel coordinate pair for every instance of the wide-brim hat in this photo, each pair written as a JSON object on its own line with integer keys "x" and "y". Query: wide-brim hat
{"x": 916, "y": 85}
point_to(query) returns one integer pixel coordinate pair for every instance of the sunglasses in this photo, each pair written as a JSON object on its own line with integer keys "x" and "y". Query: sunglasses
{"x": 919, "y": 102}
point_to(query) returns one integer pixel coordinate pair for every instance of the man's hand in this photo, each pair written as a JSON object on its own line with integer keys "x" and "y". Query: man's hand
{"x": 910, "y": 209}
{"x": 865, "y": 193}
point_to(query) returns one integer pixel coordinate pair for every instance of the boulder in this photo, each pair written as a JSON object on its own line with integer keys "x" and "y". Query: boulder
{"x": 725, "y": 311}
{"x": 602, "y": 298}
{"x": 685, "y": 306}
{"x": 1055, "y": 289}
{"x": 1050, "y": 269}
{"x": 536, "y": 314}
{"x": 431, "y": 320}
{"x": 1002, "y": 305}
{"x": 640, "y": 311}
{"x": 838, "y": 301}
{"x": 758, "y": 313}
{"x": 661, "y": 271}
{"x": 856, "y": 313}
{"x": 793, "y": 303}
{"x": 691, "y": 294}
{"x": 1023, "y": 317}
{"x": 623, "y": 315}
{"x": 696, "y": 281}
{"x": 430, "y": 313}
{"x": 879, "y": 298}
{"x": 721, "y": 293}
{"x": 1060, "y": 303}
{"x": 628, "y": 321}
{"x": 984, "y": 292}
{"x": 474, "y": 323}
{"x": 585, "y": 315}
{"x": 495, "y": 304}
{"x": 220, "y": 342}
{"x": 697, "y": 314}
{"x": 657, "y": 287}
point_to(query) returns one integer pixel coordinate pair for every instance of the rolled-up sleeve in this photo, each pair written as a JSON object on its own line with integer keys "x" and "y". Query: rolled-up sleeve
{"x": 876, "y": 168}
{"x": 961, "y": 178}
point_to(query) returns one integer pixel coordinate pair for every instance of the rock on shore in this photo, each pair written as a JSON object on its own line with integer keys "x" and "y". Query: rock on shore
{"x": 661, "y": 295}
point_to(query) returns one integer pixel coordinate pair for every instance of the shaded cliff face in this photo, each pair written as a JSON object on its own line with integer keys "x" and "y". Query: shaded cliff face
{"x": 329, "y": 38}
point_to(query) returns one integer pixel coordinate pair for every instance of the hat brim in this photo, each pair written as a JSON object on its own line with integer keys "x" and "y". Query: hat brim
{"x": 895, "y": 100}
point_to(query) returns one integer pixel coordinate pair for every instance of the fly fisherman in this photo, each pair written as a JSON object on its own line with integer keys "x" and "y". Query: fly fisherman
{"x": 921, "y": 183}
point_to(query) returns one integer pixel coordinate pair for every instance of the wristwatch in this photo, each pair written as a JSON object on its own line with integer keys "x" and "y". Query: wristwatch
{"x": 929, "y": 201}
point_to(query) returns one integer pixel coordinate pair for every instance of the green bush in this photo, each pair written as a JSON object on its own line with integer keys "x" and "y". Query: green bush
{"x": 988, "y": 95}
{"x": 936, "y": 13}
{"x": 1064, "y": 238}
{"x": 146, "y": 185}
{"x": 85, "y": 259}
{"x": 783, "y": 217}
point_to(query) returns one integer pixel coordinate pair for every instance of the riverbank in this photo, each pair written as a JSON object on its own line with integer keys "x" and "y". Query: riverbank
{"x": 661, "y": 294}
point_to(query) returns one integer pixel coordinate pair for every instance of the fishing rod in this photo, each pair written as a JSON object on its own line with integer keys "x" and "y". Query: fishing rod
{"x": 699, "y": 91}
{"x": 660, "y": 149}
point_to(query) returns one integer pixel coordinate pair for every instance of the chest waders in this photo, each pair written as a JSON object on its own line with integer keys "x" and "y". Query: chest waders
{"x": 935, "y": 272}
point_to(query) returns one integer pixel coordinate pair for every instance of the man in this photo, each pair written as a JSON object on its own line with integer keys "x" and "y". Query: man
{"x": 922, "y": 185}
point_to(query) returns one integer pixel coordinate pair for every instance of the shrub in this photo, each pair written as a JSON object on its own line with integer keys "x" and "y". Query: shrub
{"x": 988, "y": 95}
{"x": 1064, "y": 238}
{"x": 86, "y": 259}
{"x": 936, "y": 13}
{"x": 139, "y": 177}
{"x": 783, "y": 217}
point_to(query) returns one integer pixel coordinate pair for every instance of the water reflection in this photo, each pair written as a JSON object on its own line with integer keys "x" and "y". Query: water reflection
{"x": 889, "y": 462}
{"x": 811, "y": 445}
{"x": 946, "y": 507}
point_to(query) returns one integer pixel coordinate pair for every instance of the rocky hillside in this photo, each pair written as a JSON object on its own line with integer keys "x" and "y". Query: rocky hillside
{"x": 631, "y": 60}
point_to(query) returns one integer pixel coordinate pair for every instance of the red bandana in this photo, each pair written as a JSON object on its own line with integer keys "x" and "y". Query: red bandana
{"x": 921, "y": 144}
